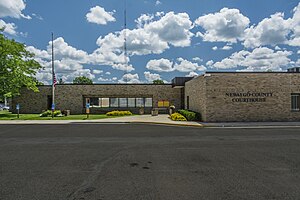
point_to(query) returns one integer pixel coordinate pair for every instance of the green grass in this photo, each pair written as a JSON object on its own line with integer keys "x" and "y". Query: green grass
{"x": 5, "y": 115}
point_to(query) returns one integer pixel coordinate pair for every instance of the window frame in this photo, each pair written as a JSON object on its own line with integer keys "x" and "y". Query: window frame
{"x": 295, "y": 104}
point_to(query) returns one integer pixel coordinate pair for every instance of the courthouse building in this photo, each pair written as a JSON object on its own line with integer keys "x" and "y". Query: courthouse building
{"x": 218, "y": 96}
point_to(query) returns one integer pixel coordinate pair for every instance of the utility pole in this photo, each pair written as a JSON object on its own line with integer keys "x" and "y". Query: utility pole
{"x": 125, "y": 41}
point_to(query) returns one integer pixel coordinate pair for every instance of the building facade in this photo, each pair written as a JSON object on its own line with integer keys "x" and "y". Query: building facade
{"x": 101, "y": 97}
{"x": 218, "y": 96}
{"x": 248, "y": 96}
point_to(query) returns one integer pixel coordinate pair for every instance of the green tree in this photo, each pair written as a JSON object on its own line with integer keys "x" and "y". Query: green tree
{"x": 82, "y": 80}
{"x": 17, "y": 68}
{"x": 158, "y": 81}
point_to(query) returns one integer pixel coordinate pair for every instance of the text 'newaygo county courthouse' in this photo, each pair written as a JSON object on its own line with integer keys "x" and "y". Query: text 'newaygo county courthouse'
{"x": 218, "y": 96}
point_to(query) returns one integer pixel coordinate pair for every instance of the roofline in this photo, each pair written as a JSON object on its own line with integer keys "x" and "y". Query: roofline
{"x": 226, "y": 72}
{"x": 129, "y": 84}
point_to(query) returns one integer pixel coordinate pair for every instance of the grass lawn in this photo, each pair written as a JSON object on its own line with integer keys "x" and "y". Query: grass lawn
{"x": 5, "y": 115}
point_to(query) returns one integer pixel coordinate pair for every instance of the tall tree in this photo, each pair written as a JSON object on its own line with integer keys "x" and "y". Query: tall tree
{"x": 82, "y": 80}
{"x": 17, "y": 67}
{"x": 158, "y": 81}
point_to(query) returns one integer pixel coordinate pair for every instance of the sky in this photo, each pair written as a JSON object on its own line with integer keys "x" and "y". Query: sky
{"x": 164, "y": 38}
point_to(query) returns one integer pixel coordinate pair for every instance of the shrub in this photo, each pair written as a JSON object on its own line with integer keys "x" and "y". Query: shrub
{"x": 177, "y": 117}
{"x": 118, "y": 113}
{"x": 48, "y": 113}
{"x": 190, "y": 115}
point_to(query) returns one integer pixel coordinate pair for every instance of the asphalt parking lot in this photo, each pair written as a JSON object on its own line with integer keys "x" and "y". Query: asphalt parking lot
{"x": 134, "y": 162}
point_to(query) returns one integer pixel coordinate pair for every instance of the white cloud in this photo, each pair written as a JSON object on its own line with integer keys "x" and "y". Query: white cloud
{"x": 107, "y": 73}
{"x": 277, "y": 48}
{"x": 215, "y": 48}
{"x": 37, "y": 16}
{"x": 165, "y": 65}
{"x": 209, "y": 63}
{"x": 228, "y": 25}
{"x": 192, "y": 74}
{"x": 298, "y": 52}
{"x": 226, "y": 48}
{"x": 151, "y": 77}
{"x": 101, "y": 79}
{"x": 187, "y": 66}
{"x": 96, "y": 71}
{"x": 123, "y": 67}
{"x": 13, "y": 8}
{"x": 157, "y": 2}
{"x": 98, "y": 15}
{"x": 197, "y": 59}
{"x": 152, "y": 37}
{"x": 9, "y": 28}
{"x": 173, "y": 28}
{"x": 295, "y": 24}
{"x": 269, "y": 31}
{"x": 69, "y": 61}
{"x": 161, "y": 65}
{"x": 260, "y": 59}
{"x": 144, "y": 19}
{"x": 130, "y": 78}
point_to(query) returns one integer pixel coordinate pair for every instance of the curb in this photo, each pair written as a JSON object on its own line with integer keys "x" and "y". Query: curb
{"x": 169, "y": 124}
{"x": 28, "y": 122}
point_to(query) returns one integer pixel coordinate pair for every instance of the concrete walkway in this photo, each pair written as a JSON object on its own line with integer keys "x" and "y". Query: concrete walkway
{"x": 161, "y": 119}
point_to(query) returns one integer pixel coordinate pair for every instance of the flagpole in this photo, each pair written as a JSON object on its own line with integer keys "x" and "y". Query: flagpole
{"x": 53, "y": 88}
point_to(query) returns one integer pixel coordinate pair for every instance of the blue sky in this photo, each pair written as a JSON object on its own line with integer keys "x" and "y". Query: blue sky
{"x": 166, "y": 38}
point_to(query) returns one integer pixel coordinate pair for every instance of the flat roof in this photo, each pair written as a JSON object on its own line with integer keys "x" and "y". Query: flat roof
{"x": 220, "y": 72}
{"x": 129, "y": 84}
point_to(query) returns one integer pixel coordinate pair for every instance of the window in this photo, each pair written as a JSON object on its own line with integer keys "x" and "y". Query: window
{"x": 295, "y": 102}
{"x": 94, "y": 102}
{"x": 104, "y": 102}
{"x": 131, "y": 102}
{"x": 148, "y": 102}
{"x": 122, "y": 102}
{"x": 140, "y": 102}
{"x": 114, "y": 102}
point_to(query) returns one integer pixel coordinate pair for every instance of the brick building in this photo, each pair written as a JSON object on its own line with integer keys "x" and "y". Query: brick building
{"x": 218, "y": 96}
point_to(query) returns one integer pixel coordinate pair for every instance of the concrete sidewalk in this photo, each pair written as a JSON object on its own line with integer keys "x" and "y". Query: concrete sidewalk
{"x": 161, "y": 119}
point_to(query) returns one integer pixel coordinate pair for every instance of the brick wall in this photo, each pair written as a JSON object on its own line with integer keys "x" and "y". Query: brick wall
{"x": 220, "y": 103}
{"x": 71, "y": 97}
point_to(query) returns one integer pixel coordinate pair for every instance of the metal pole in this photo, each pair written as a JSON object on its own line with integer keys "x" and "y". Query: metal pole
{"x": 53, "y": 88}
{"x": 125, "y": 41}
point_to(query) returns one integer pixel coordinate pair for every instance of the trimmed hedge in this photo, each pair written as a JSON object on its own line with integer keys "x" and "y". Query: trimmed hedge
{"x": 119, "y": 113}
{"x": 190, "y": 115}
{"x": 48, "y": 113}
{"x": 177, "y": 117}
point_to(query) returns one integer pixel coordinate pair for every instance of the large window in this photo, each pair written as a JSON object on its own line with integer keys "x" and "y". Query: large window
{"x": 104, "y": 102}
{"x": 97, "y": 102}
{"x": 122, "y": 102}
{"x": 131, "y": 102}
{"x": 140, "y": 102}
{"x": 295, "y": 102}
{"x": 94, "y": 102}
{"x": 148, "y": 102}
{"x": 114, "y": 102}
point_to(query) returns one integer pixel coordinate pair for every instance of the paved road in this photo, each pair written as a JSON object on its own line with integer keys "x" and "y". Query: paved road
{"x": 134, "y": 162}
